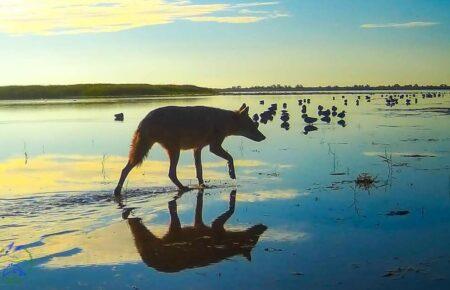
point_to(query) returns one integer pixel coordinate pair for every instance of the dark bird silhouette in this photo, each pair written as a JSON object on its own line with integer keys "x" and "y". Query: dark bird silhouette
{"x": 256, "y": 117}
{"x": 326, "y": 119}
{"x": 284, "y": 105}
{"x": 284, "y": 117}
{"x": 118, "y": 117}
{"x": 309, "y": 120}
{"x": 261, "y": 102}
{"x": 334, "y": 108}
{"x": 320, "y": 107}
{"x": 325, "y": 113}
{"x": 341, "y": 114}
{"x": 342, "y": 123}
{"x": 285, "y": 125}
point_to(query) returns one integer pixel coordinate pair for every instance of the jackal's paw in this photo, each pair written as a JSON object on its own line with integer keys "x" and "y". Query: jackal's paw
{"x": 232, "y": 174}
{"x": 183, "y": 189}
{"x": 117, "y": 191}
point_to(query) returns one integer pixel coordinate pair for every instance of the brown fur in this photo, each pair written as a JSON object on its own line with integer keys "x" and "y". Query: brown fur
{"x": 183, "y": 128}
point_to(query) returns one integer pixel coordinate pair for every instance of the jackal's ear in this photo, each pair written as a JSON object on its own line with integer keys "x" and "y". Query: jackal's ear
{"x": 244, "y": 111}
{"x": 242, "y": 107}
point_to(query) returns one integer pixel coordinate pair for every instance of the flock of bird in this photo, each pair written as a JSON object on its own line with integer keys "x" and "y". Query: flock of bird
{"x": 326, "y": 114}
{"x": 393, "y": 99}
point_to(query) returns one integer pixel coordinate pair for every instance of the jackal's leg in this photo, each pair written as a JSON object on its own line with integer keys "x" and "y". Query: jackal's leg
{"x": 125, "y": 171}
{"x": 198, "y": 165}
{"x": 175, "y": 224}
{"x": 174, "y": 155}
{"x": 198, "y": 221}
{"x": 218, "y": 223}
{"x": 219, "y": 151}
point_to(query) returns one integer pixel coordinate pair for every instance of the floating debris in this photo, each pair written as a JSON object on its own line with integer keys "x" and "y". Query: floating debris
{"x": 365, "y": 181}
{"x": 118, "y": 117}
{"x": 397, "y": 212}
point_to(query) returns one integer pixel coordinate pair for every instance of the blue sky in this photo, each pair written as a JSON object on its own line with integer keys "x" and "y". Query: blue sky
{"x": 220, "y": 43}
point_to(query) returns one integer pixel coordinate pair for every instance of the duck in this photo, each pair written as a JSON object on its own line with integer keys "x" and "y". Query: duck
{"x": 342, "y": 123}
{"x": 285, "y": 125}
{"x": 326, "y": 113}
{"x": 309, "y": 120}
{"x": 326, "y": 119}
{"x": 341, "y": 114}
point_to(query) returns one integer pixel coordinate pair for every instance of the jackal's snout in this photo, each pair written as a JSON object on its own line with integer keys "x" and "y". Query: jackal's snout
{"x": 247, "y": 127}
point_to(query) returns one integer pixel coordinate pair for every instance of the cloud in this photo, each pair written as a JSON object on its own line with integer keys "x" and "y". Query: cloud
{"x": 49, "y": 17}
{"x": 399, "y": 25}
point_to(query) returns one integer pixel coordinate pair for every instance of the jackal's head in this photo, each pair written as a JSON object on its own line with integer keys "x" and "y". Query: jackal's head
{"x": 246, "y": 127}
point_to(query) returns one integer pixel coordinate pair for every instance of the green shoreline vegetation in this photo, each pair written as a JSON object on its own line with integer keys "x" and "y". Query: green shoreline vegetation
{"x": 93, "y": 91}
{"x": 87, "y": 91}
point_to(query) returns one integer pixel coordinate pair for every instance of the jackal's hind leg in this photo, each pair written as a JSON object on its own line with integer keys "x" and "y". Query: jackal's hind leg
{"x": 174, "y": 155}
{"x": 125, "y": 171}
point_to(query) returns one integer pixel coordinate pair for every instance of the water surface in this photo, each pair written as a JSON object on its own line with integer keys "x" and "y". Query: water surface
{"x": 294, "y": 217}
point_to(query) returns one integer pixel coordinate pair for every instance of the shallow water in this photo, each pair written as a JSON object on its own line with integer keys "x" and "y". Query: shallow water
{"x": 296, "y": 217}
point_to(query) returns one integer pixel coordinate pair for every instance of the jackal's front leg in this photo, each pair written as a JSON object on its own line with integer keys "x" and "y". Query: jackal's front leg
{"x": 219, "y": 151}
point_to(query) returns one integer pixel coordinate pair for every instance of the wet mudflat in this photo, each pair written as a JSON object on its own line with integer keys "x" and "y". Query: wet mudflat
{"x": 358, "y": 202}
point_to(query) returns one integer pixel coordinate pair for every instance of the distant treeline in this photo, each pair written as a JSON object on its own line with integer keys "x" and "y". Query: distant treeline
{"x": 98, "y": 90}
{"x": 300, "y": 88}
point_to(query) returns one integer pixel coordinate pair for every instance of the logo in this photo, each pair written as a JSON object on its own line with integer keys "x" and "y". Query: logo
{"x": 14, "y": 263}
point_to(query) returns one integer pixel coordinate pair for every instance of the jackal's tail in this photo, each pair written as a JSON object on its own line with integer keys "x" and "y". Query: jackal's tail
{"x": 140, "y": 145}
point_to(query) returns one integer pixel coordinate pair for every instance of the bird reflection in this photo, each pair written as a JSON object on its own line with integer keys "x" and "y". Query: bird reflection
{"x": 309, "y": 128}
{"x": 193, "y": 246}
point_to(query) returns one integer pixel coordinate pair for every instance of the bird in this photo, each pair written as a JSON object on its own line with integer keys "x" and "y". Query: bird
{"x": 320, "y": 107}
{"x": 285, "y": 125}
{"x": 284, "y": 118}
{"x": 341, "y": 114}
{"x": 334, "y": 108}
{"x": 261, "y": 102}
{"x": 309, "y": 120}
{"x": 326, "y": 113}
{"x": 326, "y": 119}
{"x": 342, "y": 123}
{"x": 256, "y": 117}
{"x": 303, "y": 109}
{"x": 119, "y": 117}
{"x": 284, "y": 105}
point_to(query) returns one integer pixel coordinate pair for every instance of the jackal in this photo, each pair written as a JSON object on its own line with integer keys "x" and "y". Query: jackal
{"x": 183, "y": 128}
{"x": 193, "y": 246}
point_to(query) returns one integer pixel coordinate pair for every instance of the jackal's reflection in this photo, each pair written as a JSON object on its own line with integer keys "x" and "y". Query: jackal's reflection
{"x": 193, "y": 246}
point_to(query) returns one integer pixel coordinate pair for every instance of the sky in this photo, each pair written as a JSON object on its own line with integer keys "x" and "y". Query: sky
{"x": 223, "y": 43}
